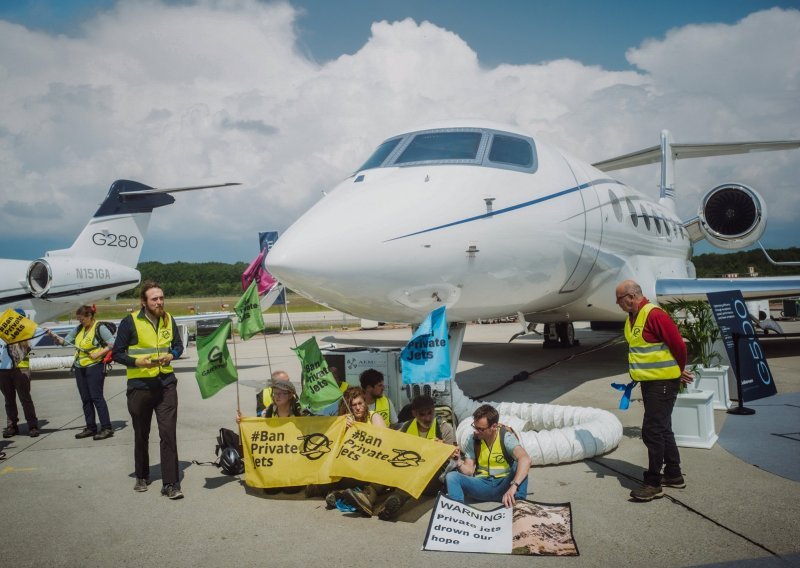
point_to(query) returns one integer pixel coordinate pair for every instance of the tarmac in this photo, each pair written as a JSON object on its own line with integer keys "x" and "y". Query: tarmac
{"x": 68, "y": 502}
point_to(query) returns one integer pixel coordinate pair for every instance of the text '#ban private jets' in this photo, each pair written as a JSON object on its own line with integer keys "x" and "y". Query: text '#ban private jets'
{"x": 489, "y": 221}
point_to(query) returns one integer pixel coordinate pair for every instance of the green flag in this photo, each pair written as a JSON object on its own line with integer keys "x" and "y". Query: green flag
{"x": 319, "y": 386}
{"x": 215, "y": 369}
{"x": 248, "y": 310}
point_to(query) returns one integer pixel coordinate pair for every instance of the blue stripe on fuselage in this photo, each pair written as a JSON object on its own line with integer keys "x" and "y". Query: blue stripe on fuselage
{"x": 512, "y": 208}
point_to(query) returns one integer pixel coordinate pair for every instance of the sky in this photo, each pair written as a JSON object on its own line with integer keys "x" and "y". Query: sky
{"x": 290, "y": 97}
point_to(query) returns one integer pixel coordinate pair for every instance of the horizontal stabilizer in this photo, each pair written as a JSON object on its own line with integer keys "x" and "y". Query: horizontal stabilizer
{"x": 669, "y": 289}
{"x": 682, "y": 151}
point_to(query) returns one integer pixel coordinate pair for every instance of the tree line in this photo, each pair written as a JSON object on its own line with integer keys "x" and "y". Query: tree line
{"x": 198, "y": 279}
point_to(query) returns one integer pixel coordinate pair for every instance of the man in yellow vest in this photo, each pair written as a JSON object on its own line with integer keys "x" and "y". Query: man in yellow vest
{"x": 372, "y": 383}
{"x": 495, "y": 465}
{"x": 657, "y": 361}
{"x": 146, "y": 344}
{"x": 15, "y": 381}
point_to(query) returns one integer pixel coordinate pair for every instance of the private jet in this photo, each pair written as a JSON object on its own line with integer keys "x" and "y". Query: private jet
{"x": 490, "y": 221}
{"x": 101, "y": 263}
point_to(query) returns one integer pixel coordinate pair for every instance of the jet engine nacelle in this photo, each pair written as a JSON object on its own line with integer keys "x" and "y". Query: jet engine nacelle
{"x": 732, "y": 216}
{"x": 51, "y": 277}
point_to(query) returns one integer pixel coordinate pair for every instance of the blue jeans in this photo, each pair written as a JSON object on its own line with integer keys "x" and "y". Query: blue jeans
{"x": 460, "y": 486}
{"x": 90, "y": 382}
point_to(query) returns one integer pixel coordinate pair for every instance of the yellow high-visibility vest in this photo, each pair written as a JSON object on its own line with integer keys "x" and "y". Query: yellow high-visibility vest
{"x": 648, "y": 361}
{"x": 152, "y": 342}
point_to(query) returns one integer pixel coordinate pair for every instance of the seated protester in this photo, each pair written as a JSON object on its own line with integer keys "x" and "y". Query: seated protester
{"x": 284, "y": 400}
{"x": 424, "y": 424}
{"x": 264, "y": 396}
{"x": 485, "y": 473}
{"x": 354, "y": 407}
{"x": 372, "y": 383}
{"x": 284, "y": 405}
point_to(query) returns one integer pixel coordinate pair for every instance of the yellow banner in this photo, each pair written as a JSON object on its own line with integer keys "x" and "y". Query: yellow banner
{"x": 281, "y": 452}
{"x": 389, "y": 457}
{"x": 15, "y": 328}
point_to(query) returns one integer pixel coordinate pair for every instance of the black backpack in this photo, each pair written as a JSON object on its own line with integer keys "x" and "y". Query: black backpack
{"x": 98, "y": 341}
{"x": 229, "y": 450}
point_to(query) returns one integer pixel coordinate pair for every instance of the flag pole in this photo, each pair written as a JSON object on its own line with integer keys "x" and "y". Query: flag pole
{"x": 236, "y": 365}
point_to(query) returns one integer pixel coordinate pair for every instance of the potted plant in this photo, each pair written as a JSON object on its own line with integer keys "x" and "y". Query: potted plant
{"x": 693, "y": 415}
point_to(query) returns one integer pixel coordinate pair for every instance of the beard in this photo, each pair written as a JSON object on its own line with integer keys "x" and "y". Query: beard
{"x": 157, "y": 312}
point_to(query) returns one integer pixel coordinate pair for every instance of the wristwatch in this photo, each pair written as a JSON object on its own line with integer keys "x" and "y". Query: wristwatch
{"x": 514, "y": 483}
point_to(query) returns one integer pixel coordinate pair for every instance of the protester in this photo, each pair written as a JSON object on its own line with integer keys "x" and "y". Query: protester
{"x": 15, "y": 381}
{"x": 93, "y": 343}
{"x": 264, "y": 396}
{"x": 284, "y": 401}
{"x": 657, "y": 361}
{"x": 373, "y": 384}
{"x": 495, "y": 466}
{"x": 146, "y": 344}
{"x": 354, "y": 406}
{"x": 424, "y": 424}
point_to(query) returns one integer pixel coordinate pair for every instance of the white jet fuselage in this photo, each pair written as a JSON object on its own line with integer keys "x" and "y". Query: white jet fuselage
{"x": 392, "y": 243}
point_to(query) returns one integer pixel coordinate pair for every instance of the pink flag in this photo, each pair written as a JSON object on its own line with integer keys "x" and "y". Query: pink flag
{"x": 257, "y": 272}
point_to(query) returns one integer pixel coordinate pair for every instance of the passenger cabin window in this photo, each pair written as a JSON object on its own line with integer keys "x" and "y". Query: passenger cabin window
{"x": 380, "y": 155}
{"x": 615, "y": 205}
{"x": 512, "y": 151}
{"x": 632, "y": 211}
{"x": 433, "y": 146}
{"x": 645, "y": 217}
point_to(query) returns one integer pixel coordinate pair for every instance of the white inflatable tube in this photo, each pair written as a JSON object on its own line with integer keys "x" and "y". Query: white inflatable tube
{"x": 51, "y": 363}
{"x": 550, "y": 433}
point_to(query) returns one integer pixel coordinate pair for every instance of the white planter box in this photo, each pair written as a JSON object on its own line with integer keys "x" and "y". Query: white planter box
{"x": 714, "y": 379}
{"x": 693, "y": 420}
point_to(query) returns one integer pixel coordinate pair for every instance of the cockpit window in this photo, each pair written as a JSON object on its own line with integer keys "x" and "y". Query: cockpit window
{"x": 378, "y": 157}
{"x": 435, "y": 146}
{"x": 513, "y": 151}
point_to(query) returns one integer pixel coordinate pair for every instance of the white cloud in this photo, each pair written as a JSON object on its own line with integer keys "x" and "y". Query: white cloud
{"x": 219, "y": 91}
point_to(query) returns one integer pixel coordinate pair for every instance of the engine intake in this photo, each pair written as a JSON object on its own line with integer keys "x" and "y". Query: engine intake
{"x": 58, "y": 277}
{"x": 731, "y": 216}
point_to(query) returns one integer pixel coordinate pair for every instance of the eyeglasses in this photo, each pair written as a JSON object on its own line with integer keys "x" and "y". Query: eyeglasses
{"x": 623, "y": 297}
{"x": 479, "y": 429}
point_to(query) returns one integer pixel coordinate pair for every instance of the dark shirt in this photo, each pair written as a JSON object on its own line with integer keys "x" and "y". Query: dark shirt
{"x": 127, "y": 336}
{"x": 659, "y": 327}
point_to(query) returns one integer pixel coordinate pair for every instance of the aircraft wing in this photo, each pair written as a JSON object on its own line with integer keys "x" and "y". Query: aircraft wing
{"x": 668, "y": 289}
{"x": 681, "y": 151}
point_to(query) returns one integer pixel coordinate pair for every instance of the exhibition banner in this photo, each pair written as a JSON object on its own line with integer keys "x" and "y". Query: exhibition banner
{"x": 732, "y": 317}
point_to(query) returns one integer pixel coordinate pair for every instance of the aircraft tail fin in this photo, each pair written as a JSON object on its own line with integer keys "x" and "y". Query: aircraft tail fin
{"x": 116, "y": 231}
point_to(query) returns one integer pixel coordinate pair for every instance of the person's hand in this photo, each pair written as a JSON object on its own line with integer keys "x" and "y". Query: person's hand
{"x": 238, "y": 417}
{"x": 146, "y": 362}
{"x": 165, "y": 359}
{"x": 508, "y": 496}
{"x": 687, "y": 376}
{"x": 456, "y": 455}
{"x": 349, "y": 420}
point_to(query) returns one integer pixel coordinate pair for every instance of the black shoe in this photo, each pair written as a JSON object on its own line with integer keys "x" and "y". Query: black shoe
{"x": 86, "y": 433}
{"x": 677, "y": 482}
{"x": 141, "y": 485}
{"x": 331, "y": 498}
{"x": 103, "y": 434}
{"x": 171, "y": 491}
{"x": 390, "y": 508}
{"x": 10, "y": 431}
{"x": 647, "y": 493}
{"x": 33, "y": 432}
{"x": 359, "y": 500}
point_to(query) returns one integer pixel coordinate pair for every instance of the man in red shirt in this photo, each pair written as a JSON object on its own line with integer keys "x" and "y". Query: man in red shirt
{"x": 656, "y": 360}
